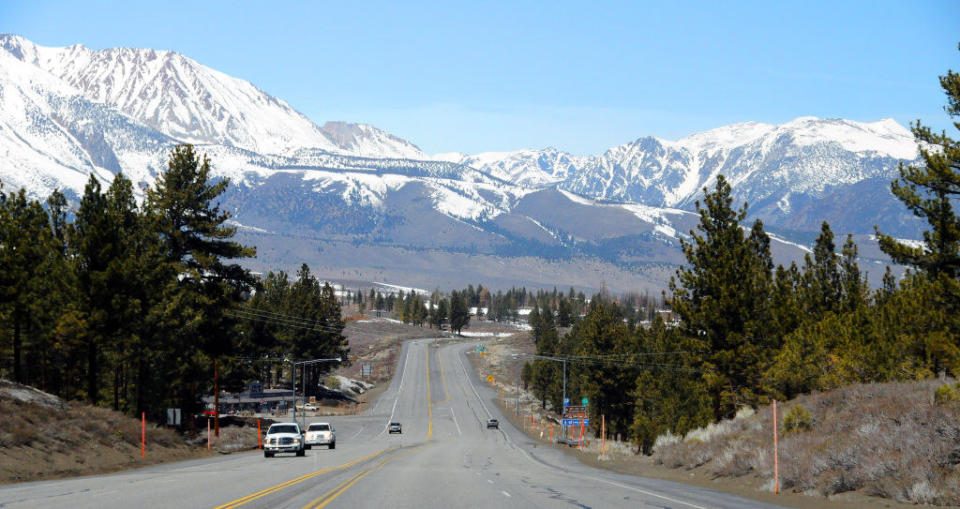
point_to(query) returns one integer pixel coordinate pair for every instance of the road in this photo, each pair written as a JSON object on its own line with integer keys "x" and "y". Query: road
{"x": 445, "y": 458}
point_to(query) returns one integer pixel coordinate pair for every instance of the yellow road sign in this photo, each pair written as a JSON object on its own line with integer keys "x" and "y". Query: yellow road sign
{"x": 490, "y": 378}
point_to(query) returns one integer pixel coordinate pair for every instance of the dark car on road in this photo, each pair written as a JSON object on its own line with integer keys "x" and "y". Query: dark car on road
{"x": 493, "y": 423}
{"x": 395, "y": 428}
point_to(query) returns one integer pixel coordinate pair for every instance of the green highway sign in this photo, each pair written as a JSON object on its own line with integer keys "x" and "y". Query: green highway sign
{"x": 585, "y": 401}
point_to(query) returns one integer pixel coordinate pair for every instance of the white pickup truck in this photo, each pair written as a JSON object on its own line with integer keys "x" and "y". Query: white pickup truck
{"x": 321, "y": 433}
{"x": 283, "y": 437}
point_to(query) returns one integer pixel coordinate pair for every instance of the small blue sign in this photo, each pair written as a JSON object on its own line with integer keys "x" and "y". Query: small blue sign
{"x": 575, "y": 422}
{"x": 566, "y": 401}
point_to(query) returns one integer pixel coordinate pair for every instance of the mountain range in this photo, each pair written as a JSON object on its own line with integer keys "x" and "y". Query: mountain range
{"x": 360, "y": 204}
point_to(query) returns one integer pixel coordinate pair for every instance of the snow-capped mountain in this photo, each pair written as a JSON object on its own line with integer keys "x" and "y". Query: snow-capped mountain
{"x": 67, "y": 113}
{"x": 802, "y": 156}
{"x": 368, "y": 141}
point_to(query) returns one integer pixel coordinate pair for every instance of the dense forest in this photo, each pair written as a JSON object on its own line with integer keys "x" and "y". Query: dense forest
{"x": 747, "y": 332}
{"x": 141, "y": 306}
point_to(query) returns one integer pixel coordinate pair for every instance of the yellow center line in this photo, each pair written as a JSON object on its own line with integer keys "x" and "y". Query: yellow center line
{"x": 325, "y": 499}
{"x": 262, "y": 493}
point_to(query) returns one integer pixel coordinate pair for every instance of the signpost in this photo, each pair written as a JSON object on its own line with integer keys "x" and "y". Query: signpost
{"x": 575, "y": 422}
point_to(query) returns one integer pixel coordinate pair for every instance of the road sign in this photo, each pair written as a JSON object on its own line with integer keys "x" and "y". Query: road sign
{"x": 483, "y": 354}
{"x": 585, "y": 401}
{"x": 490, "y": 378}
{"x": 566, "y": 402}
{"x": 575, "y": 422}
{"x": 480, "y": 348}
{"x": 575, "y": 411}
{"x": 366, "y": 370}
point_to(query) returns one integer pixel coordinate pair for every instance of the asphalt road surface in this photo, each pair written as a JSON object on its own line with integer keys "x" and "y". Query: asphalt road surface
{"x": 445, "y": 458}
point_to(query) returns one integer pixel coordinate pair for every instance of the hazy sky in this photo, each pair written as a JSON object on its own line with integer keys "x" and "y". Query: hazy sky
{"x": 578, "y": 76}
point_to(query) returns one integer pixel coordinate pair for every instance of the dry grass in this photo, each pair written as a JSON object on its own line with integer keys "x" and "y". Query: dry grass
{"x": 888, "y": 440}
{"x": 42, "y": 442}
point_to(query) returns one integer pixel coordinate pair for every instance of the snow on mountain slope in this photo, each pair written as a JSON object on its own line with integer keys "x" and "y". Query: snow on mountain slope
{"x": 529, "y": 168}
{"x": 760, "y": 160}
{"x": 177, "y": 96}
{"x": 52, "y": 137}
{"x": 368, "y": 141}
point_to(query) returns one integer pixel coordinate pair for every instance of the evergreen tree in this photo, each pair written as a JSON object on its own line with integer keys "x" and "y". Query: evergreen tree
{"x": 930, "y": 191}
{"x": 183, "y": 212}
{"x": 709, "y": 297}
{"x": 92, "y": 243}
{"x": 459, "y": 314}
{"x": 822, "y": 279}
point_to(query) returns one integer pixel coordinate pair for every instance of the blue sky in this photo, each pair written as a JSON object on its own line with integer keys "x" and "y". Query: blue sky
{"x": 578, "y": 76}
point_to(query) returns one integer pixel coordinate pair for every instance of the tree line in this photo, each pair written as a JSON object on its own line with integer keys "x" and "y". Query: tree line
{"x": 748, "y": 332}
{"x": 142, "y": 306}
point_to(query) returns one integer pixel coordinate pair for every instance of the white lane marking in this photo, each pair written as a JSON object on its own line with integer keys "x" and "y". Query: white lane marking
{"x": 525, "y": 453}
{"x": 105, "y": 493}
{"x": 505, "y": 493}
{"x": 645, "y": 492}
{"x": 399, "y": 388}
{"x": 489, "y": 481}
{"x": 455, "y": 421}
{"x": 475, "y": 393}
{"x": 358, "y": 432}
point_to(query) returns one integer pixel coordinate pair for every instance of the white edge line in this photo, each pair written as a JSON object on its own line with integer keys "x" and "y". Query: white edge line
{"x": 505, "y": 493}
{"x": 406, "y": 361}
{"x": 358, "y": 432}
{"x": 455, "y": 421}
{"x": 612, "y": 483}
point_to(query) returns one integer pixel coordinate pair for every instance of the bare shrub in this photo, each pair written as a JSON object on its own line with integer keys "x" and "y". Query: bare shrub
{"x": 890, "y": 440}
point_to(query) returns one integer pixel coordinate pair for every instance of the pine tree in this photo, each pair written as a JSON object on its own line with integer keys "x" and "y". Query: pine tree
{"x": 929, "y": 191}
{"x": 823, "y": 287}
{"x": 459, "y": 314}
{"x": 184, "y": 214}
{"x": 709, "y": 297}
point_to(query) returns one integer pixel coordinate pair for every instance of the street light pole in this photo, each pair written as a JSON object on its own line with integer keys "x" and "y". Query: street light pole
{"x": 303, "y": 374}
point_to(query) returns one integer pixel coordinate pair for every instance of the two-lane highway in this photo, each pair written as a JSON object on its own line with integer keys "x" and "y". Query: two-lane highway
{"x": 445, "y": 457}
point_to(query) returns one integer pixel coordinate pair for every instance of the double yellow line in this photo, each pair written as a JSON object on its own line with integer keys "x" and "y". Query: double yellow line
{"x": 262, "y": 493}
{"x": 322, "y": 501}
{"x": 332, "y": 495}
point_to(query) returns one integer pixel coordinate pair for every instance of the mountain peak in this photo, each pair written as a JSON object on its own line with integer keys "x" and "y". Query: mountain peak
{"x": 366, "y": 140}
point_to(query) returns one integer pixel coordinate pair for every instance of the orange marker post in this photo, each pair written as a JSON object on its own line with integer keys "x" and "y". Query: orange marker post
{"x": 583, "y": 429}
{"x": 776, "y": 459}
{"x": 551, "y": 432}
{"x": 143, "y": 435}
{"x": 208, "y": 433}
{"x": 259, "y": 436}
{"x": 603, "y": 434}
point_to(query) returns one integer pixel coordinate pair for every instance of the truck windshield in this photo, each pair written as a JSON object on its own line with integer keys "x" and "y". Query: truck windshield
{"x": 282, "y": 429}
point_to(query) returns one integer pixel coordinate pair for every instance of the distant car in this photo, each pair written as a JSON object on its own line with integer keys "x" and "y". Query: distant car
{"x": 493, "y": 423}
{"x": 283, "y": 437}
{"x": 321, "y": 433}
{"x": 310, "y": 407}
{"x": 395, "y": 427}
